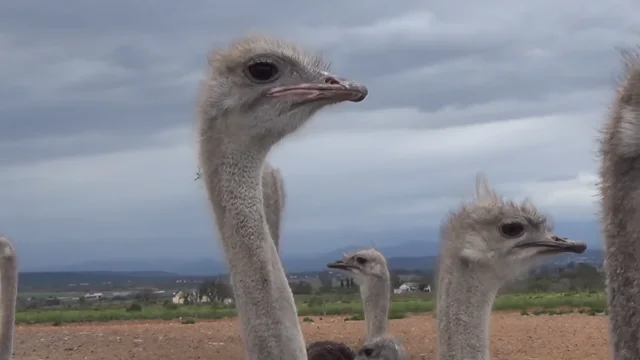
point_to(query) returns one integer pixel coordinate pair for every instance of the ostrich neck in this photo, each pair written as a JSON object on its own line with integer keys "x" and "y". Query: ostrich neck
{"x": 375, "y": 292}
{"x": 264, "y": 301}
{"x": 8, "y": 293}
{"x": 463, "y": 312}
{"x": 621, "y": 230}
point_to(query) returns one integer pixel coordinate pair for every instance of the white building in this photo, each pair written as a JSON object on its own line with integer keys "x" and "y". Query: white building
{"x": 182, "y": 297}
{"x": 93, "y": 296}
{"x": 406, "y": 287}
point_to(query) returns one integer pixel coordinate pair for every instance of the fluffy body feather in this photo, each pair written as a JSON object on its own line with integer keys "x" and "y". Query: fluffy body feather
{"x": 329, "y": 350}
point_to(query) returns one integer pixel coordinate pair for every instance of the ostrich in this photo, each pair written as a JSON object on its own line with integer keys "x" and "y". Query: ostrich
{"x": 484, "y": 243}
{"x": 373, "y": 276}
{"x": 370, "y": 269}
{"x": 619, "y": 189}
{"x": 258, "y": 91}
{"x": 8, "y": 296}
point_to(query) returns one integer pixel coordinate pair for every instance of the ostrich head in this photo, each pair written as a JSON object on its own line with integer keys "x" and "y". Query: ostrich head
{"x": 260, "y": 89}
{"x": 367, "y": 262}
{"x": 382, "y": 348}
{"x": 493, "y": 233}
{"x": 7, "y": 251}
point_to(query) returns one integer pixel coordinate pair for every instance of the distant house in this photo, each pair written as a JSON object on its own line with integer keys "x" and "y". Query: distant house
{"x": 182, "y": 297}
{"x": 93, "y": 296}
{"x": 406, "y": 287}
{"x": 227, "y": 301}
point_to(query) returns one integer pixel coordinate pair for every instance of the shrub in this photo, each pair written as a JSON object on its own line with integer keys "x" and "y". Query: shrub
{"x": 134, "y": 307}
{"x": 170, "y": 305}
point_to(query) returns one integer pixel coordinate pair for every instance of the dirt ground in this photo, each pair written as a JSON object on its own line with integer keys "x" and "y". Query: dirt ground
{"x": 566, "y": 337}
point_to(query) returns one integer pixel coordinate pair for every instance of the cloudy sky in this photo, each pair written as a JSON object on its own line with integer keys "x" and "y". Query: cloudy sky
{"x": 97, "y": 117}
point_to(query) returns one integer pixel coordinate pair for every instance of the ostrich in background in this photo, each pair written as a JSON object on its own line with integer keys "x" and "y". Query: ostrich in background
{"x": 8, "y": 296}
{"x": 620, "y": 214}
{"x": 484, "y": 243}
{"x": 372, "y": 275}
{"x": 258, "y": 91}
{"x": 369, "y": 267}
{"x": 273, "y": 198}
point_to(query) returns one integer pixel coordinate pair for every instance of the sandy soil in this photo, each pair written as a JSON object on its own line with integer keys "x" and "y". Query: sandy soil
{"x": 566, "y": 337}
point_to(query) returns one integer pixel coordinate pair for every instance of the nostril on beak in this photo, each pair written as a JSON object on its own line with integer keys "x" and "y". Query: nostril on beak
{"x": 556, "y": 238}
{"x": 331, "y": 81}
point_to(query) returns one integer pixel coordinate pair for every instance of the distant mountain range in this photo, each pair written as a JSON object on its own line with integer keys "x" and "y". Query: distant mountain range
{"x": 398, "y": 256}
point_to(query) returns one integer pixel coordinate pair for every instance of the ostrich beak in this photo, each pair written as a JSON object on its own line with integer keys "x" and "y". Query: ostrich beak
{"x": 340, "y": 264}
{"x": 555, "y": 244}
{"x": 331, "y": 87}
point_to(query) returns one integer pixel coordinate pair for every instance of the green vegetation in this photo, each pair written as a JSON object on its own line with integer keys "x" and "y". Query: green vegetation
{"x": 187, "y": 321}
{"x": 549, "y": 290}
{"x": 591, "y": 303}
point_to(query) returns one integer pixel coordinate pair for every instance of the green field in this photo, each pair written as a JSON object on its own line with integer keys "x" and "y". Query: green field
{"x": 539, "y": 303}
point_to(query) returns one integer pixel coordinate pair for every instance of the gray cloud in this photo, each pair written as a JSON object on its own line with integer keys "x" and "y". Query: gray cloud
{"x": 97, "y": 114}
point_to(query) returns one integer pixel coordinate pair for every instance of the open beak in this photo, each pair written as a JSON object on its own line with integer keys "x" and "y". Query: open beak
{"x": 331, "y": 88}
{"x": 340, "y": 264}
{"x": 555, "y": 244}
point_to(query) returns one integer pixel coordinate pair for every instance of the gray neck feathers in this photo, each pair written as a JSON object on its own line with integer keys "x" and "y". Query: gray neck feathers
{"x": 8, "y": 293}
{"x": 264, "y": 301}
{"x": 620, "y": 209}
{"x": 376, "y": 293}
{"x": 464, "y": 302}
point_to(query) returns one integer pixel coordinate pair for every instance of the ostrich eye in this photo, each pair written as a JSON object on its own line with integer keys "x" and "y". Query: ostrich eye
{"x": 512, "y": 229}
{"x": 361, "y": 260}
{"x": 262, "y": 71}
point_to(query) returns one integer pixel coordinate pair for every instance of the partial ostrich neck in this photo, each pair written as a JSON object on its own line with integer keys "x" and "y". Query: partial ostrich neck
{"x": 621, "y": 229}
{"x": 264, "y": 301}
{"x": 273, "y": 196}
{"x": 376, "y": 293}
{"x": 464, "y": 303}
{"x": 620, "y": 187}
{"x": 8, "y": 294}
